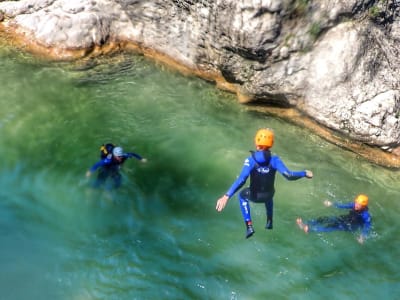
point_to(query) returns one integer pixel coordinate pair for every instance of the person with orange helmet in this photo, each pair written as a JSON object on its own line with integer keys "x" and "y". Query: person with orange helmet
{"x": 261, "y": 167}
{"x": 358, "y": 218}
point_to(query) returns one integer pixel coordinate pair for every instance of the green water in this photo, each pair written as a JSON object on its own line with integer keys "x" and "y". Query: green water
{"x": 159, "y": 236}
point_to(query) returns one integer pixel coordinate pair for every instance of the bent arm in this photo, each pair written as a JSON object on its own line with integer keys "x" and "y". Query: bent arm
{"x": 366, "y": 228}
{"x": 367, "y": 224}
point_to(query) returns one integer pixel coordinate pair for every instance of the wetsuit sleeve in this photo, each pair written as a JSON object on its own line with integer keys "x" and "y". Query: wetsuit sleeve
{"x": 99, "y": 164}
{"x": 281, "y": 168}
{"x": 241, "y": 180}
{"x": 131, "y": 154}
{"x": 367, "y": 224}
{"x": 349, "y": 205}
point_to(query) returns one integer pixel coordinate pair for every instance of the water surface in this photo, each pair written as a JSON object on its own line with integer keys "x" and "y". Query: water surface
{"x": 159, "y": 236}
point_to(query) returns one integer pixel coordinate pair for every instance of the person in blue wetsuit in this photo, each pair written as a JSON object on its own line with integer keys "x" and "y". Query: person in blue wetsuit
{"x": 358, "y": 218}
{"x": 261, "y": 166}
{"x": 110, "y": 165}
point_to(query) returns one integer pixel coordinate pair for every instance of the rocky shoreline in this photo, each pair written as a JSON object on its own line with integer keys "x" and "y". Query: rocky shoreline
{"x": 339, "y": 79}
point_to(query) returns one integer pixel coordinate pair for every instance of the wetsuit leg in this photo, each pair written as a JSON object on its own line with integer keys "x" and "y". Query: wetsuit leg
{"x": 245, "y": 208}
{"x": 101, "y": 178}
{"x": 117, "y": 179}
{"x": 269, "y": 208}
{"x": 245, "y": 205}
{"x": 328, "y": 224}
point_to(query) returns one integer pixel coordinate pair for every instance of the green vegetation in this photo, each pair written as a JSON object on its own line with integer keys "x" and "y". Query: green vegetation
{"x": 378, "y": 10}
{"x": 315, "y": 30}
{"x": 299, "y": 8}
{"x": 374, "y": 12}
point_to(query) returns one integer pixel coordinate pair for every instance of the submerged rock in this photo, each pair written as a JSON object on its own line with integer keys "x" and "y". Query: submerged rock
{"x": 335, "y": 62}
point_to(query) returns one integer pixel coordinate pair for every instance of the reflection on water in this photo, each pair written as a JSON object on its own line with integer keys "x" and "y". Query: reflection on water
{"x": 159, "y": 236}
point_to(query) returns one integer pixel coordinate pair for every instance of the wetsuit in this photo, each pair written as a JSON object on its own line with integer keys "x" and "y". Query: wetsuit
{"x": 261, "y": 166}
{"x": 354, "y": 220}
{"x": 109, "y": 167}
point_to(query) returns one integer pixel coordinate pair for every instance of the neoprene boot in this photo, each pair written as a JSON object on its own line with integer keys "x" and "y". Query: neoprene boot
{"x": 249, "y": 230}
{"x": 269, "y": 223}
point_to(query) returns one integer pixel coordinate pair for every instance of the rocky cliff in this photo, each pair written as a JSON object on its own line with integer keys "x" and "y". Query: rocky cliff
{"x": 334, "y": 62}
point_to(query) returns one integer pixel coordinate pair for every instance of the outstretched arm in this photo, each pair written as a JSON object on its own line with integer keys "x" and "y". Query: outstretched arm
{"x": 135, "y": 155}
{"x": 239, "y": 182}
{"x": 97, "y": 165}
{"x": 288, "y": 174}
{"x": 221, "y": 203}
{"x": 349, "y": 205}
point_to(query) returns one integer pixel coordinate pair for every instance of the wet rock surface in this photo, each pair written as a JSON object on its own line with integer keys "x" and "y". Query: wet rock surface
{"x": 334, "y": 62}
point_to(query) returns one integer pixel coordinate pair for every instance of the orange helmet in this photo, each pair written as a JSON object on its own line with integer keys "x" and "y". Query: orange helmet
{"x": 264, "y": 137}
{"x": 362, "y": 200}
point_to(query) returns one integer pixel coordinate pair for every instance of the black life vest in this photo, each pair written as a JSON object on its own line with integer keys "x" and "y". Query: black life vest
{"x": 262, "y": 179}
{"x": 355, "y": 217}
{"x": 115, "y": 164}
{"x": 106, "y": 151}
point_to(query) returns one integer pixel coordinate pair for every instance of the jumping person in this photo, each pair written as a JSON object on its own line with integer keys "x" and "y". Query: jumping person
{"x": 358, "y": 218}
{"x": 261, "y": 166}
{"x": 112, "y": 159}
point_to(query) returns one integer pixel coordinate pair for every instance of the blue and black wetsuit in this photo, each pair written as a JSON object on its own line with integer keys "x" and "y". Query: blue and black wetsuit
{"x": 261, "y": 166}
{"x": 109, "y": 167}
{"x": 354, "y": 220}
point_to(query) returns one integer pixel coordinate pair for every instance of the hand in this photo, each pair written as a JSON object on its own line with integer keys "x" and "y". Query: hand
{"x": 327, "y": 203}
{"x": 88, "y": 173}
{"x": 309, "y": 174}
{"x": 143, "y": 160}
{"x": 360, "y": 239}
{"x": 221, "y": 203}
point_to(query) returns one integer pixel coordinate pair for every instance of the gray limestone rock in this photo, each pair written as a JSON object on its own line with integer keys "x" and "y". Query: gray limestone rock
{"x": 335, "y": 60}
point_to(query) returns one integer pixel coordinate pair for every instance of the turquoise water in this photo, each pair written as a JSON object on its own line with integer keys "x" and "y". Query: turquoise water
{"x": 159, "y": 236}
